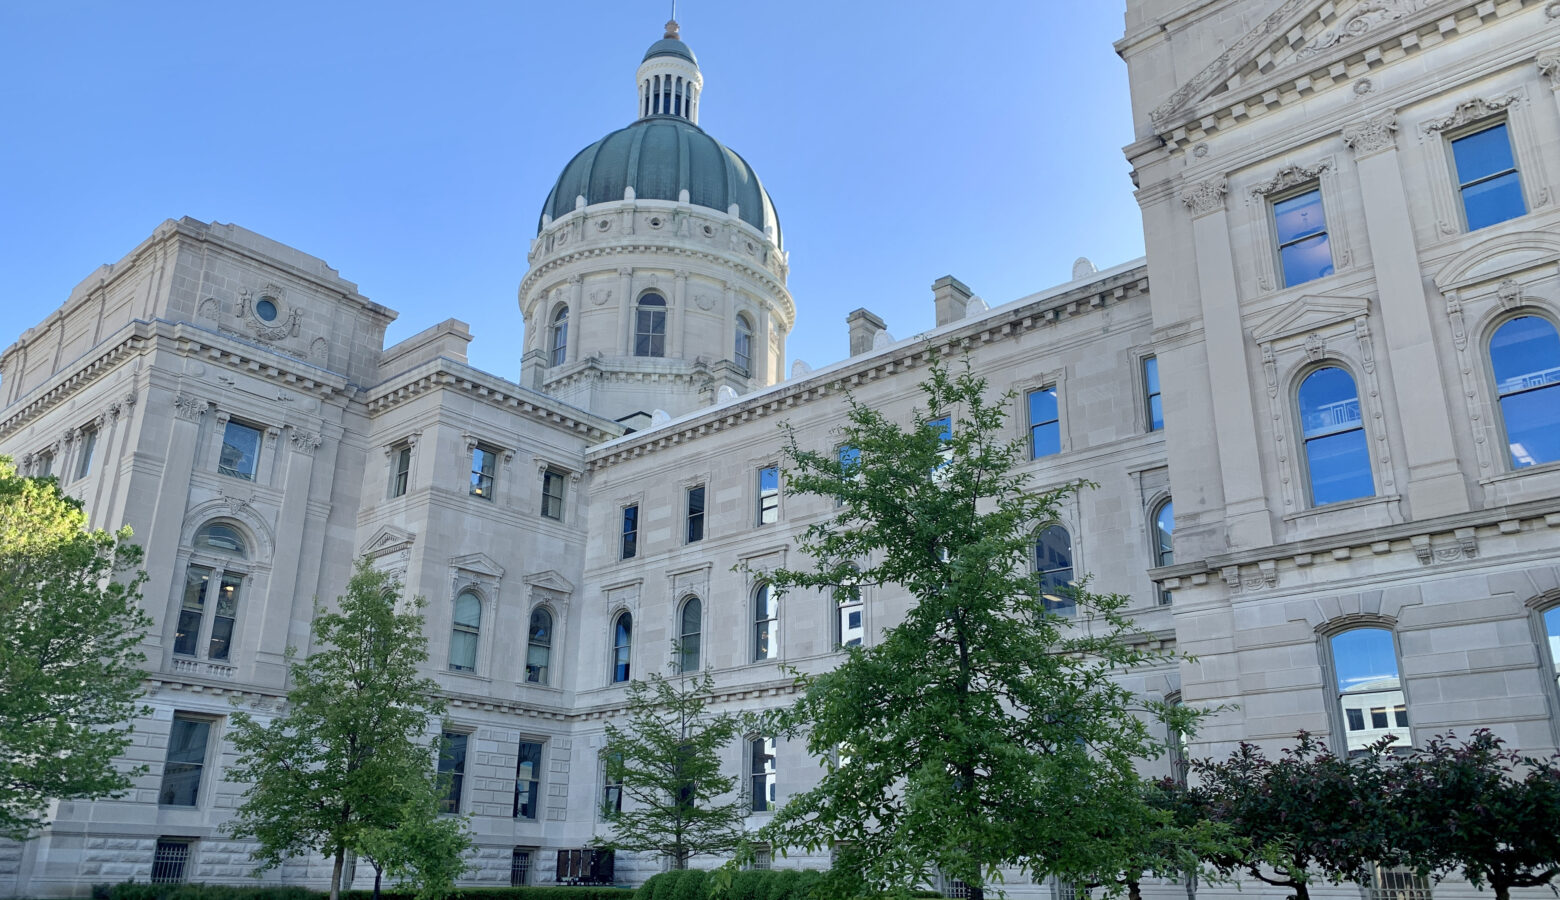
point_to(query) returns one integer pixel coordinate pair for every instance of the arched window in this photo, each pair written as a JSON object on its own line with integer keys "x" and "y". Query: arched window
{"x": 1552, "y": 635}
{"x": 742, "y": 354}
{"x": 1054, "y": 564}
{"x": 560, "y": 336}
{"x": 766, "y": 623}
{"x": 1336, "y": 456}
{"x": 538, "y": 653}
{"x": 466, "y": 625}
{"x": 690, "y": 631}
{"x": 1370, "y": 696}
{"x": 622, "y": 644}
{"x": 1525, "y": 355}
{"x": 1164, "y": 546}
{"x": 650, "y": 326}
{"x": 222, "y": 537}
{"x": 208, "y": 610}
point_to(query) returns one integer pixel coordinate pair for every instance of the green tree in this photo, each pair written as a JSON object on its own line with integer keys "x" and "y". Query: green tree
{"x": 1481, "y": 808}
{"x": 347, "y": 765}
{"x": 70, "y": 676}
{"x": 667, "y": 759}
{"x": 1169, "y": 835}
{"x": 1305, "y": 816}
{"x": 423, "y": 849}
{"x": 958, "y": 737}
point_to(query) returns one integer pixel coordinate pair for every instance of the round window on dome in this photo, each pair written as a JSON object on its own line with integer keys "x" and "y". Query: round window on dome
{"x": 655, "y": 221}
{"x": 266, "y": 309}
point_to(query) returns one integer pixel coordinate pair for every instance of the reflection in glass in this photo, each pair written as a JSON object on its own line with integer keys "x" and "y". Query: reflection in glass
{"x": 467, "y": 621}
{"x": 768, "y": 495}
{"x": 1552, "y": 634}
{"x": 186, "y": 759}
{"x": 622, "y": 637}
{"x": 1152, "y": 399}
{"x": 1164, "y": 544}
{"x": 1525, "y": 356}
{"x": 240, "y": 451}
{"x": 1337, "y": 459}
{"x": 650, "y": 326}
{"x": 1053, "y": 562}
{"x": 560, "y": 347}
{"x": 762, "y": 787}
{"x": 191, "y": 611}
{"x": 452, "y": 763}
{"x": 1487, "y": 177}
{"x": 1303, "y": 248}
{"x": 688, "y": 642}
{"x": 528, "y": 780}
{"x": 1365, "y": 662}
{"x": 766, "y": 623}
{"x": 1045, "y": 428}
{"x": 538, "y": 654}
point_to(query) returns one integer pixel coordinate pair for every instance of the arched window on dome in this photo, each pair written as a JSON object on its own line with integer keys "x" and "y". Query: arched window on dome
{"x": 1336, "y": 456}
{"x": 538, "y": 654}
{"x": 1525, "y": 358}
{"x": 560, "y": 336}
{"x": 742, "y": 354}
{"x": 650, "y": 326}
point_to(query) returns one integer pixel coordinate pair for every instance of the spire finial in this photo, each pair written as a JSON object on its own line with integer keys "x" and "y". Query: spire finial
{"x": 671, "y": 27}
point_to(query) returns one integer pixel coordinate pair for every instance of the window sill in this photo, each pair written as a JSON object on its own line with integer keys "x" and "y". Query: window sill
{"x": 1518, "y": 474}
{"x": 1521, "y": 485}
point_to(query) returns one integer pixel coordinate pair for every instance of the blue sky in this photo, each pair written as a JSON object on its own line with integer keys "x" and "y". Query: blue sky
{"x": 411, "y": 145}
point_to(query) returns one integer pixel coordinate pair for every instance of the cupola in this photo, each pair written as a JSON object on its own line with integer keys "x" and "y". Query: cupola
{"x": 669, "y": 79}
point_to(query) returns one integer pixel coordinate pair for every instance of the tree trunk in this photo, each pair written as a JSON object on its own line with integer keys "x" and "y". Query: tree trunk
{"x": 1502, "y": 890}
{"x": 335, "y": 873}
{"x": 977, "y": 892}
{"x": 377, "y": 872}
{"x": 1302, "y": 891}
{"x": 1134, "y": 890}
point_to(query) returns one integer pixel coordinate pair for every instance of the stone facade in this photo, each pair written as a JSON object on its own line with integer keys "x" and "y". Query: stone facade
{"x": 137, "y": 391}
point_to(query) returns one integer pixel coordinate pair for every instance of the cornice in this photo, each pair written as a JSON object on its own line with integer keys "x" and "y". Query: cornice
{"x": 129, "y": 341}
{"x": 446, "y": 374}
{"x": 1001, "y": 325}
{"x": 1181, "y": 123}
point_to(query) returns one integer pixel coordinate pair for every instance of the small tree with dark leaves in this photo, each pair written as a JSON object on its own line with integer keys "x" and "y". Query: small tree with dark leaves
{"x": 1478, "y": 807}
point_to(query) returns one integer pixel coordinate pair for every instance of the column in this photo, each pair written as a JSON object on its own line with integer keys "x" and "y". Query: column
{"x": 167, "y": 520}
{"x": 625, "y": 311}
{"x": 1435, "y": 483}
{"x": 287, "y": 603}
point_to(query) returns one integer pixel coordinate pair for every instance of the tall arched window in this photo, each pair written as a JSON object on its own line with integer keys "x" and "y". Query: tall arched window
{"x": 1370, "y": 695}
{"x": 212, "y": 585}
{"x": 466, "y": 626}
{"x": 538, "y": 652}
{"x": 690, "y": 632}
{"x": 1552, "y": 637}
{"x": 650, "y": 326}
{"x": 1054, "y": 564}
{"x": 1525, "y": 356}
{"x": 1164, "y": 546}
{"x": 766, "y": 623}
{"x": 1336, "y": 455}
{"x": 622, "y": 644}
{"x": 560, "y": 336}
{"x": 742, "y": 354}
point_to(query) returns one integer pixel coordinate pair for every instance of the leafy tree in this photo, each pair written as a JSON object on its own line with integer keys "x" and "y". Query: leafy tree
{"x": 1486, "y": 810}
{"x": 1168, "y": 835}
{"x": 667, "y": 758}
{"x": 1308, "y": 814}
{"x": 956, "y": 739}
{"x": 70, "y": 674}
{"x": 347, "y": 767}
{"x": 422, "y": 849}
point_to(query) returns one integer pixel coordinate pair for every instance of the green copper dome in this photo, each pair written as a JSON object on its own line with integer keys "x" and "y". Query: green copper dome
{"x": 659, "y": 157}
{"x": 670, "y": 47}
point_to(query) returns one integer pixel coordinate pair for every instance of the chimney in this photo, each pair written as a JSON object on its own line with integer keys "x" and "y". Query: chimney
{"x": 951, "y": 295}
{"x": 864, "y": 326}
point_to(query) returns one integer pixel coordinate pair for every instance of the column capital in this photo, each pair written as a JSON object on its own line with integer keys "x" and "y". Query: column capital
{"x": 1372, "y": 136}
{"x": 1206, "y": 196}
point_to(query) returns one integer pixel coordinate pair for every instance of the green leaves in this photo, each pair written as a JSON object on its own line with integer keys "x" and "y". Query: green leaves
{"x": 667, "y": 759}
{"x": 347, "y": 765}
{"x": 70, "y": 676}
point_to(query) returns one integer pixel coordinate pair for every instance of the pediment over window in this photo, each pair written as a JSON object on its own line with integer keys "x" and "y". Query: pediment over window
{"x": 551, "y": 581}
{"x": 387, "y": 540}
{"x": 1309, "y": 313}
{"x": 1296, "y": 35}
{"x": 1500, "y": 257}
{"x": 478, "y": 564}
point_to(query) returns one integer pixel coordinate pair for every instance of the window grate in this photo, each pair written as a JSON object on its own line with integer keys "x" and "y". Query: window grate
{"x": 520, "y": 868}
{"x": 1066, "y": 890}
{"x": 956, "y": 889}
{"x": 169, "y": 861}
{"x": 1397, "y": 883}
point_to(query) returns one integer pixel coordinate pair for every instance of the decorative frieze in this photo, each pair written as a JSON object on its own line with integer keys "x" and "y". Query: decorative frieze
{"x": 1469, "y": 111}
{"x": 1290, "y": 176}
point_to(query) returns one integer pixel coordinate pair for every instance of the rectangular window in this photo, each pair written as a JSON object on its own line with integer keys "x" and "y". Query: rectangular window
{"x": 400, "y": 469}
{"x": 1487, "y": 179}
{"x": 768, "y": 495}
{"x": 552, "y": 494}
{"x": 611, "y": 788}
{"x": 520, "y": 867}
{"x": 944, "y": 429}
{"x": 695, "y": 530}
{"x": 761, "y": 782}
{"x": 185, "y": 762}
{"x": 240, "y": 451}
{"x": 222, "y": 621}
{"x": 44, "y": 466}
{"x": 1400, "y": 716}
{"x": 187, "y": 639}
{"x": 484, "y": 466}
{"x": 452, "y": 764}
{"x": 630, "y": 545}
{"x": 1303, "y": 250}
{"x": 852, "y": 624}
{"x": 1356, "y": 718}
{"x": 1045, "y": 423}
{"x": 170, "y": 860}
{"x": 1153, "y": 404}
{"x": 1378, "y": 717}
{"x": 88, "y": 443}
{"x": 528, "y": 781}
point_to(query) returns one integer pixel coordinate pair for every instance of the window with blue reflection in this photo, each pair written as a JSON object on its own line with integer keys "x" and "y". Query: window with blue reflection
{"x": 1164, "y": 545}
{"x": 1303, "y": 251}
{"x": 1045, "y": 426}
{"x": 1552, "y": 634}
{"x": 1153, "y": 404}
{"x": 766, "y": 623}
{"x": 1365, "y": 667}
{"x": 1487, "y": 177}
{"x": 1336, "y": 455}
{"x": 622, "y": 644}
{"x": 1054, "y": 564}
{"x": 1525, "y": 356}
{"x": 943, "y": 427}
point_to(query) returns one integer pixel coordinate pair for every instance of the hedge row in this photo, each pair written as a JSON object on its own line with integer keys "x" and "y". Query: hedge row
{"x": 131, "y": 890}
{"x": 752, "y": 884}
